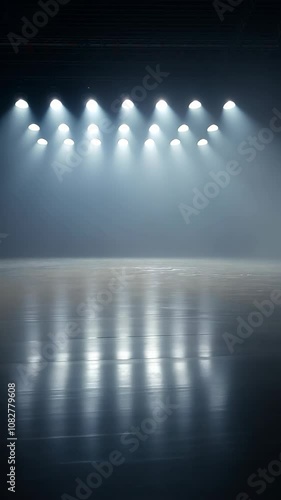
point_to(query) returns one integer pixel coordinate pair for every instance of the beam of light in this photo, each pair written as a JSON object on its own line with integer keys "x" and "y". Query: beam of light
{"x": 229, "y": 105}
{"x": 42, "y": 142}
{"x": 63, "y": 127}
{"x": 93, "y": 129}
{"x": 34, "y": 127}
{"x": 161, "y": 105}
{"x": 124, "y": 128}
{"x": 175, "y": 142}
{"x": 213, "y": 128}
{"x": 22, "y": 104}
{"x": 68, "y": 142}
{"x": 154, "y": 128}
{"x": 128, "y": 104}
{"x": 149, "y": 143}
{"x": 96, "y": 142}
{"x": 123, "y": 142}
{"x": 183, "y": 128}
{"x": 202, "y": 142}
{"x": 92, "y": 105}
{"x": 56, "y": 104}
{"x": 195, "y": 105}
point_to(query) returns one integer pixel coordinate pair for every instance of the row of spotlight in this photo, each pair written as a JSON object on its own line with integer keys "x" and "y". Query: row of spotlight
{"x": 92, "y": 105}
{"x": 122, "y": 142}
{"x": 124, "y": 129}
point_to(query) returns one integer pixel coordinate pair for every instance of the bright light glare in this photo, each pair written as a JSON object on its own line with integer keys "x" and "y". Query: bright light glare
{"x": 68, "y": 142}
{"x": 229, "y": 105}
{"x": 195, "y": 105}
{"x": 56, "y": 104}
{"x": 213, "y": 128}
{"x": 96, "y": 142}
{"x": 123, "y": 142}
{"x": 175, "y": 142}
{"x": 183, "y": 128}
{"x": 63, "y": 127}
{"x": 161, "y": 105}
{"x": 202, "y": 142}
{"x": 127, "y": 104}
{"x": 91, "y": 105}
{"x": 34, "y": 127}
{"x": 42, "y": 142}
{"x": 149, "y": 142}
{"x": 21, "y": 104}
{"x": 93, "y": 129}
{"x": 154, "y": 128}
{"x": 124, "y": 128}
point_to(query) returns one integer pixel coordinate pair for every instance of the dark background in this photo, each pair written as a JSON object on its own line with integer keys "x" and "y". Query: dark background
{"x": 102, "y": 49}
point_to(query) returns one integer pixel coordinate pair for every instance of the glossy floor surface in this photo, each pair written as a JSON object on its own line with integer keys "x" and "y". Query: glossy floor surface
{"x": 138, "y": 363}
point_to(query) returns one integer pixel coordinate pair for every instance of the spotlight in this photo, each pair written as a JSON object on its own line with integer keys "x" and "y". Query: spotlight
{"x": 123, "y": 142}
{"x": 202, "y": 142}
{"x": 175, "y": 142}
{"x": 183, "y": 128}
{"x": 161, "y": 105}
{"x": 91, "y": 105}
{"x": 42, "y": 142}
{"x": 93, "y": 129}
{"x": 124, "y": 128}
{"x": 68, "y": 142}
{"x": 213, "y": 128}
{"x": 56, "y": 104}
{"x": 154, "y": 128}
{"x": 96, "y": 142}
{"x": 127, "y": 104}
{"x": 63, "y": 127}
{"x": 229, "y": 105}
{"x": 149, "y": 142}
{"x": 21, "y": 104}
{"x": 195, "y": 105}
{"x": 34, "y": 127}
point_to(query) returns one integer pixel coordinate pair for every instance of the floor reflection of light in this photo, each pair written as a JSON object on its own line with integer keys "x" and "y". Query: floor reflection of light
{"x": 181, "y": 375}
{"x": 123, "y": 355}
{"x": 92, "y": 376}
{"x": 124, "y": 375}
{"x": 151, "y": 350}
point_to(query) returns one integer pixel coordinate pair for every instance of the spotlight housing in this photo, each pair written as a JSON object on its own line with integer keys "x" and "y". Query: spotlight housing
{"x": 21, "y": 104}
{"x": 68, "y": 142}
{"x": 175, "y": 142}
{"x": 91, "y": 105}
{"x": 212, "y": 128}
{"x": 56, "y": 104}
{"x": 229, "y": 105}
{"x": 123, "y": 142}
{"x": 127, "y": 104}
{"x": 195, "y": 105}
{"x": 96, "y": 142}
{"x": 183, "y": 128}
{"x": 124, "y": 128}
{"x": 63, "y": 127}
{"x": 161, "y": 105}
{"x": 202, "y": 142}
{"x": 93, "y": 128}
{"x": 154, "y": 128}
{"x": 42, "y": 142}
{"x": 34, "y": 127}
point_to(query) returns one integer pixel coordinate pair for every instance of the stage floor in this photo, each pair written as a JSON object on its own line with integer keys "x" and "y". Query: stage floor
{"x": 142, "y": 357}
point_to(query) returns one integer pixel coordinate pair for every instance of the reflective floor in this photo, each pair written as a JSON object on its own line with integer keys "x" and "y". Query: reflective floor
{"x": 132, "y": 381}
